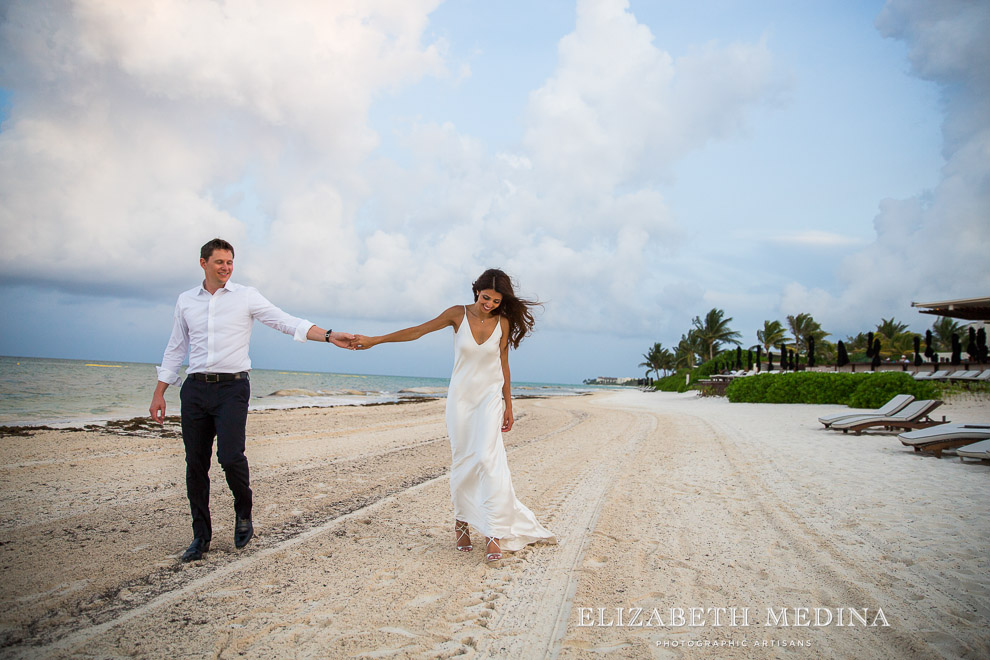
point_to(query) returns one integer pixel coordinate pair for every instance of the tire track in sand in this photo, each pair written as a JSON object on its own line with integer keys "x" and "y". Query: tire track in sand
{"x": 531, "y": 597}
{"x": 126, "y": 612}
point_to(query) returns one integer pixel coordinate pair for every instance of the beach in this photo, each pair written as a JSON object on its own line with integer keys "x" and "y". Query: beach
{"x": 687, "y": 527}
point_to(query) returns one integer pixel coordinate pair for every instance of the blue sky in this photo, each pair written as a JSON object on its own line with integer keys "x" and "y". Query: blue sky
{"x": 632, "y": 164}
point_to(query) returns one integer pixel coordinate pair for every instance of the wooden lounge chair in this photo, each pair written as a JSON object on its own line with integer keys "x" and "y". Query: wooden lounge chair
{"x": 941, "y": 374}
{"x": 978, "y": 450}
{"x": 888, "y": 408}
{"x": 963, "y": 375}
{"x": 972, "y": 376}
{"x": 914, "y": 415}
{"x": 937, "y": 439}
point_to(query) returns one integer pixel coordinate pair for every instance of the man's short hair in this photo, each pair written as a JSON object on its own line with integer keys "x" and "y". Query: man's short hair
{"x": 206, "y": 251}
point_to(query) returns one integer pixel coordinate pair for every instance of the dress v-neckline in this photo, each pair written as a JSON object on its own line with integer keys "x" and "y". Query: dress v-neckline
{"x": 476, "y": 342}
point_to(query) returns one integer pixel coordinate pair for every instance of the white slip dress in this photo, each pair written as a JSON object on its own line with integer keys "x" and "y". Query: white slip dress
{"x": 480, "y": 483}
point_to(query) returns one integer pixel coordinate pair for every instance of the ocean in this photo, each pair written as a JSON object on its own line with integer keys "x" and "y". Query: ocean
{"x": 67, "y": 393}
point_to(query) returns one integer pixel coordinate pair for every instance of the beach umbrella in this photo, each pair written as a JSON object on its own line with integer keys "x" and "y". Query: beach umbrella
{"x": 811, "y": 352}
{"x": 738, "y": 358}
{"x": 971, "y": 349}
{"x": 769, "y": 360}
{"x": 981, "y": 343}
{"x": 917, "y": 351}
{"x": 928, "y": 344}
{"x": 759, "y": 354}
{"x": 869, "y": 344}
{"x": 956, "y": 350}
{"x": 749, "y": 360}
{"x": 792, "y": 358}
{"x": 843, "y": 357}
{"x": 876, "y": 354}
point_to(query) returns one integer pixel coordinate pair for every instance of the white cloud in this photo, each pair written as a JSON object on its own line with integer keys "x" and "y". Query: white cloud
{"x": 813, "y": 238}
{"x": 932, "y": 246}
{"x": 128, "y": 121}
{"x": 619, "y": 109}
{"x": 132, "y": 123}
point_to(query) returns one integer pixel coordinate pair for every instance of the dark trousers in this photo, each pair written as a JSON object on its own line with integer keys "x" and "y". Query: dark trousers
{"x": 215, "y": 410}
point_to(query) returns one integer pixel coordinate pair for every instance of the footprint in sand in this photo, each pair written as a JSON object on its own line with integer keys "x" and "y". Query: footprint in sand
{"x": 424, "y": 599}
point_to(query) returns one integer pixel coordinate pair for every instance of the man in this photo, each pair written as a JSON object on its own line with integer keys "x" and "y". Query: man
{"x": 213, "y": 322}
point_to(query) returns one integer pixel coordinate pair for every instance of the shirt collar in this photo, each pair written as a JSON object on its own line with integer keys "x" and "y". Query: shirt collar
{"x": 229, "y": 286}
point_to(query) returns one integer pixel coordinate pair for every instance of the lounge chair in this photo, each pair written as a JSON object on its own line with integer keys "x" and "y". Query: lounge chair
{"x": 979, "y": 450}
{"x": 914, "y": 415}
{"x": 888, "y": 408}
{"x": 974, "y": 376}
{"x": 937, "y": 439}
{"x": 963, "y": 375}
{"x": 931, "y": 375}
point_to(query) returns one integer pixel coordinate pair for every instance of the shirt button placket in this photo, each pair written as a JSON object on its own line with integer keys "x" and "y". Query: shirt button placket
{"x": 210, "y": 331}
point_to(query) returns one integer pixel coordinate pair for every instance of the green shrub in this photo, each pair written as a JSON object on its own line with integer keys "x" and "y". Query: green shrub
{"x": 750, "y": 389}
{"x": 678, "y": 382}
{"x": 671, "y": 383}
{"x": 854, "y": 390}
{"x": 881, "y": 388}
{"x": 946, "y": 390}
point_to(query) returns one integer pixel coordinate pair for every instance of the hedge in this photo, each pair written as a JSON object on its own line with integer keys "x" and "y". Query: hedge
{"x": 851, "y": 389}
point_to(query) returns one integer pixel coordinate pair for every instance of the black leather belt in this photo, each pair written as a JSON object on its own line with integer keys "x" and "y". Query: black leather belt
{"x": 219, "y": 378}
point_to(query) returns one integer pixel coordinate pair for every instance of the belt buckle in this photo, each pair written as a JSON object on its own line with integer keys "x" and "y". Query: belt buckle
{"x": 212, "y": 378}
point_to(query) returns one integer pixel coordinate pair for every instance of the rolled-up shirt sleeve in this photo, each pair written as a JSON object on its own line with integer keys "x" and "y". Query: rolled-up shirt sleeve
{"x": 262, "y": 310}
{"x": 175, "y": 351}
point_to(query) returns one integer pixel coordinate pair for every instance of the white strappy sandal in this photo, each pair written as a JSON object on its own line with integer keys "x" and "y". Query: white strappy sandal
{"x": 461, "y": 529}
{"x": 493, "y": 559}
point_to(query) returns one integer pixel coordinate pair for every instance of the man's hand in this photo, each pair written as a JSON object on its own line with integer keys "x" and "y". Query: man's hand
{"x": 342, "y": 339}
{"x": 158, "y": 407}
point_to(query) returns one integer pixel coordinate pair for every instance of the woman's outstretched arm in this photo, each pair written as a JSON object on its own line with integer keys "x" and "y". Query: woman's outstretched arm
{"x": 450, "y": 317}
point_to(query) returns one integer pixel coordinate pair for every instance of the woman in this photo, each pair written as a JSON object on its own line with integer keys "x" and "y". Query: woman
{"x": 479, "y": 409}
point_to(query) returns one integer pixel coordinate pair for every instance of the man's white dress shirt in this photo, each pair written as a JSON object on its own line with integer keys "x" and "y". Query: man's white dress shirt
{"x": 216, "y": 330}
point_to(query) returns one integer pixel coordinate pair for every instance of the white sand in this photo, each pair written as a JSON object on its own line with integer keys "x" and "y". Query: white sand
{"x": 659, "y": 501}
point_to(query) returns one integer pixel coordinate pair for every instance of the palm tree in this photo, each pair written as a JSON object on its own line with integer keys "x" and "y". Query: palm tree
{"x": 771, "y": 334}
{"x": 656, "y": 359}
{"x": 667, "y": 362}
{"x": 896, "y": 336}
{"x": 715, "y": 330}
{"x": 857, "y": 344}
{"x": 943, "y": 329}
{"x": 890, "y": 328}
{"x": 803, "y": 326}
{"x": 688, "y": 348}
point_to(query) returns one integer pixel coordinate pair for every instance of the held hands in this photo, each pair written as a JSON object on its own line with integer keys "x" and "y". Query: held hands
{"x": 362, "y": 342}
{"x": 342, "y": 339}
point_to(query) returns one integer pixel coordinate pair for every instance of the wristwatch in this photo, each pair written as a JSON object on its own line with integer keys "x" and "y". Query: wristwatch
{"x": 327, "y": 338}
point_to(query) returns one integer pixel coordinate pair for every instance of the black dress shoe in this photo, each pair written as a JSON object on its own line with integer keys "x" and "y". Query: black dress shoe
{"x": 195, "y": 550}
{"x": 243, "y": 532}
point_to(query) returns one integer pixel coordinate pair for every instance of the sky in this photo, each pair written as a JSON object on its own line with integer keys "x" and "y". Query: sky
{"x": 632, "y": 164}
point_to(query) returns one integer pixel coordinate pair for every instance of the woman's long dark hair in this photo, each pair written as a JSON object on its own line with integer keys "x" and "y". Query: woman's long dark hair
{"x": 515, "y": 309}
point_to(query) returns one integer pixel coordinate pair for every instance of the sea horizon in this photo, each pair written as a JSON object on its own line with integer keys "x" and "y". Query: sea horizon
{"x": 63, "y": 392}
